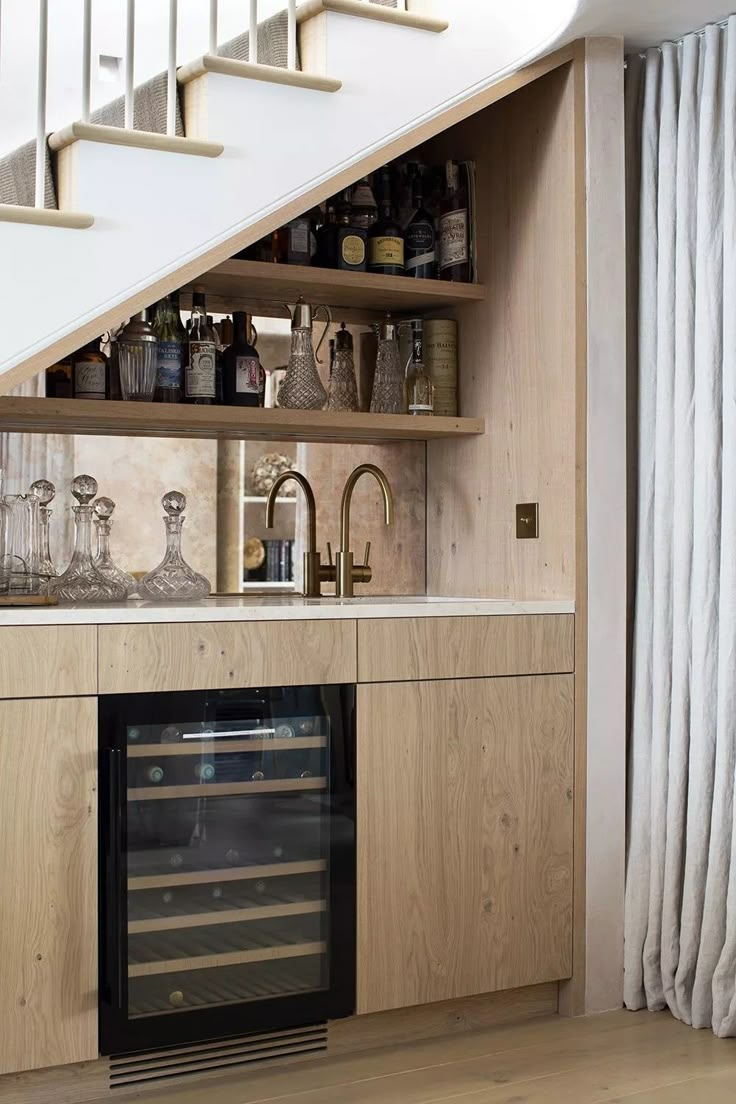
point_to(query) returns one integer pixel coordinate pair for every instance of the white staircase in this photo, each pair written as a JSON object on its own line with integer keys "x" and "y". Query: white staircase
{"x": 142, "y": 214}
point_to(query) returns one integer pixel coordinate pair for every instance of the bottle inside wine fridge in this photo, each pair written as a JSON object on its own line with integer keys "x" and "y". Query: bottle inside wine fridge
{"x": 227, "y": 880}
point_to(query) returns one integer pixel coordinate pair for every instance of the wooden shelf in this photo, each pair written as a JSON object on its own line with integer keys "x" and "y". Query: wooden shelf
{"x": 206, "y": 746}
{"x": 229, "y": 958}
{"x": 228, "y": 874}
{"x": 263, "y": 289}
{"x": 225, "y": 789}
{"x": 226, "y": 916}
{"x": 132, "y": 419}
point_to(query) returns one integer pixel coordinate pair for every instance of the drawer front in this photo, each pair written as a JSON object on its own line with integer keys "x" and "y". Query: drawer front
{"x": 146, "y": 658}
{"x": 411, "y": 648}
{"x": 48, "y": 661}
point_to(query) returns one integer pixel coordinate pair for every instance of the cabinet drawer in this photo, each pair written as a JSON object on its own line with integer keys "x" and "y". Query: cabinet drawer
{"x": 148, "y": 658}
{"x": 397, "y": 649}
{"x": 47, "y": 661}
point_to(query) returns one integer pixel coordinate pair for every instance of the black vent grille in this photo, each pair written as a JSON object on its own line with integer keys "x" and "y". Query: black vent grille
{"x": 223, "y": 1056}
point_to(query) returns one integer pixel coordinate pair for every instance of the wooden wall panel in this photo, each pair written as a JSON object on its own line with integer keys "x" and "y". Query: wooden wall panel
{"x": 38, "y": 661}
{"x": 392, "y": 649}
{"x": 517, "y": 358}
{"x": 464, "y": 837}
{"x": 222, "y": 655}
{"x": 48, "y": 883}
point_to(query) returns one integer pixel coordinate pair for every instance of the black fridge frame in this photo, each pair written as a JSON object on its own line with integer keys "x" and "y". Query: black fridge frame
{"x": 121, "y": 1035}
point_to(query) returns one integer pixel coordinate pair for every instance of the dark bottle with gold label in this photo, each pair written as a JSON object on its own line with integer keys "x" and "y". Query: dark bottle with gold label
{"x": 385, "y": 238}
{"x": 352, "y": 254}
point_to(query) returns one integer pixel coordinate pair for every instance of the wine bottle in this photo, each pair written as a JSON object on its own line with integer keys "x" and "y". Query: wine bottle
{"x": 205, "y": 772}
{"x": 200, "y": 375}
{"x": 454, "y": 231}
{"x": 171, "y": 338}
{"x": 154, "y": 773}
{"x": 242, "y": 375}
{"x": 420, "y": 390}
{"x": 365, "y": 210}
{"x": 351, "y": 239}
{"x": 419, "y": 239}
{"x": 170, "y": 735}
{"x": 385, "y": 240}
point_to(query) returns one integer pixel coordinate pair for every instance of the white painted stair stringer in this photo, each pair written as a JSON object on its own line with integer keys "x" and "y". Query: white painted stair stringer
{"x": 158, "y": 214}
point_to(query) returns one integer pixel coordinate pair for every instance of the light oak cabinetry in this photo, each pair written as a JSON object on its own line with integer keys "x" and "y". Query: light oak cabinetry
{"x": 48, "y": 882}
{"x": 465, "y": 852}
{"x": 46, "y": 661}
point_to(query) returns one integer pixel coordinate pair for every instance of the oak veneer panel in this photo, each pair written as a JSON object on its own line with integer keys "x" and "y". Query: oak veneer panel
{"x": 465, "y": 647}
{"x": 146, "y": 658}
{"x": 517, "y": 357}
{"x": 40, "y": 661}
{"x": 464, "y": 837}
{"x": 48, "y": 875}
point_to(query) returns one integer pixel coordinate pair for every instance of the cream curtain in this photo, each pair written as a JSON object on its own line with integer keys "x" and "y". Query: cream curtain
{"x": 681, "y": 869}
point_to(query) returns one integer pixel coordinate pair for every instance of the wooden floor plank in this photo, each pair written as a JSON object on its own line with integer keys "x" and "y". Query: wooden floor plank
{"x": 715, "y": 1088}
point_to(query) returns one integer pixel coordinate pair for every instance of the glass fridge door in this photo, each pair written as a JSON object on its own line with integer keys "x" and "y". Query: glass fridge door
{"x": 228, "y": 851}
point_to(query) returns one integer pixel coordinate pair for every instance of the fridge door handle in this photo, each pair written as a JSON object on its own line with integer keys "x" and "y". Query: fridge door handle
{"x": 114, "y": 890}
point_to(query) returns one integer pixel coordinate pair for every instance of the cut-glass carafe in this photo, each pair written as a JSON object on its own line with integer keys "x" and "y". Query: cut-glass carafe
{"x": 389, "y": 389}
{"x": 302, "y": 388}
{"x": 44, "y": 491}
{"x": 119, "y": 580}
{"x": 343, "y": 390}
{"x": 173, "y": 579}
{"x": 82, "y": 582}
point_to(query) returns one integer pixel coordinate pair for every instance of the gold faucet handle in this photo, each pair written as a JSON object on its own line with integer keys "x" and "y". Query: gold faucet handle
{"x": 367, "y": 556}
{"x": 328, "y": 571}
{"x": 329, "y": 554}
{"x": 363, "y": 573}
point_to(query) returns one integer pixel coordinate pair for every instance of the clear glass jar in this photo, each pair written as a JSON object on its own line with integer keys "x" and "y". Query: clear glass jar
{"x": 343, "y": 390}
{"x": 389, "y": 393}
{"x": 120, "y": 581}
{"x": 23, "y": 545}
{"x": 173, "y": 579}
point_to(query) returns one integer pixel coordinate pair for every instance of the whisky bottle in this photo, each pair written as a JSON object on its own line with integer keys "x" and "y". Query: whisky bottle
{"x": 351, "y": 239}
{"x": 365, "y": 209}
{"x": 419, "y": 239}
{"x": 242, "y": 375}
{"x": 454, "y": 231}
{"x": 90, "y": 373}
{"x": 171, "y": 338}
{"x": 419, "y": 387}
{"x": 385, "y": 240}
{"x": 326, "y": 256}
{"x": 200, "y": 378}
{"x": 301, "y": 243}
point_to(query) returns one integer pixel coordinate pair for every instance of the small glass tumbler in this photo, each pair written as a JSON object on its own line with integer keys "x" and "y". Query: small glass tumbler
{"x": 137, "y": 347}
{"x": 22, "y": 556}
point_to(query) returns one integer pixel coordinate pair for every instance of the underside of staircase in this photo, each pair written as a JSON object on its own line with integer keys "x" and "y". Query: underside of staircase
{"x": 140, "y": 213}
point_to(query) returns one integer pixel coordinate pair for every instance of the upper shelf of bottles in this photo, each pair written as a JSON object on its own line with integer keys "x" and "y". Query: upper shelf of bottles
{"x": 262, "y": 288}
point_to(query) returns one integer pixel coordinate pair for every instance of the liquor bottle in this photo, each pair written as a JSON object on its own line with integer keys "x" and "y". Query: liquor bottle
{"x": 171, "y": 338}
{"x": 419, "y": 239}
{"x": 326, "y": 256}
{"x": 242, "y": 375}
{"x": 204, "y": 772}
{"x": 454, "y": 231}
{"x": 154, "y": 773}
{"x": 59, "y": 380}
{"x": 385, "y": 240}
{"x": 90, "y": 374}
{"x": 420, "y": 390}
{"x": 301, "y": 242}
{"x": 200, "y": 372}
{"x": 351, "y": 239}
{"x": 365, "y": 210}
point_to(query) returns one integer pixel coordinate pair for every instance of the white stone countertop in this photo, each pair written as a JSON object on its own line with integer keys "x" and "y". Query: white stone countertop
{"x": 274, "y": 608}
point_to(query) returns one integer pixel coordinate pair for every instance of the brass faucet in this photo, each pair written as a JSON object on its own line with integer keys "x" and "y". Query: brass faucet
{"x": 346, "y": 573}
{"x": 315, "y": 572}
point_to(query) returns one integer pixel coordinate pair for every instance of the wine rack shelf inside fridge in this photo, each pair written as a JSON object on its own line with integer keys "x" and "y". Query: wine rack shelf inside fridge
{"x": 227, "y": 863}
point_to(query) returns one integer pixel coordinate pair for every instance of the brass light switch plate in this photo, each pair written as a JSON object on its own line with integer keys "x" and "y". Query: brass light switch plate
{"x": 527, "y": 520}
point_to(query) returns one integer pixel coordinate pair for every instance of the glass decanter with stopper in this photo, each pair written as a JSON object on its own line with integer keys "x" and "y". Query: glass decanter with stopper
{"x": 173, "y": 579}
{"x": 389, "y": 395}
{"x": 302, "y": 388}
{"x": 343, "y": 390}
{"x": 82, "y": 582}
{"x": 119, "y": 580}
{"x": 45, "y": 491}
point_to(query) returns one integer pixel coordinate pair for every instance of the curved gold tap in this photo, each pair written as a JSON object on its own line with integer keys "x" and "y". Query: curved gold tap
{"x": 346, "y": 573}
{"x": 315, "y": 572}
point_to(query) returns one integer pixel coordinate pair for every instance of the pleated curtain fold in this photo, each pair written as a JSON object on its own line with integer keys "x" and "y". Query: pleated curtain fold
{"x": 681, "y": 864}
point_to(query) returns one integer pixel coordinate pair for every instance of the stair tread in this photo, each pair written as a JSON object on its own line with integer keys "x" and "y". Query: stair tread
{"x": 140, "y": 139}
{"x": 372, "y": 11}
{"x": 230, "y": 67}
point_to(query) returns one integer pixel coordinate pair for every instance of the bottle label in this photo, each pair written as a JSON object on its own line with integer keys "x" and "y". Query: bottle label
{"x": 89, "y": 379}
{"x": 200, "y": 374}
{"x": 247, "y": 375}
{"x": 419, "y": 245}
{"x": 170, "y": 356}
{"x": 299, "y": 239}
{"x": 386, "y": 250}
{"x": 454, "y": 238}
{"x": 353, "y": 249}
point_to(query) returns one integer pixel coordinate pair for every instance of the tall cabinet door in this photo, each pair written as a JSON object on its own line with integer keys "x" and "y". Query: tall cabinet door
{"x": 464, "y": 837}
{"x": 48, "y": 882}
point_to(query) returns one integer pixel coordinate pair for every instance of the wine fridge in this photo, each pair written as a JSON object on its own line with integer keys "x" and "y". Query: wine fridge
{"x": 227, "y": 863}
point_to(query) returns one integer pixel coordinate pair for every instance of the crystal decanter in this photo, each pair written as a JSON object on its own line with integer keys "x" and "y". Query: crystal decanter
{"x": 120, "y": 580}
{"x": 82, "y": 582}
{"x": 173, "y": 579}
{"x": 44, "y": 492}
{"x": 343, "y": 390}
{"x": 302, "y": 388}
{"x": 389, "y": 393}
